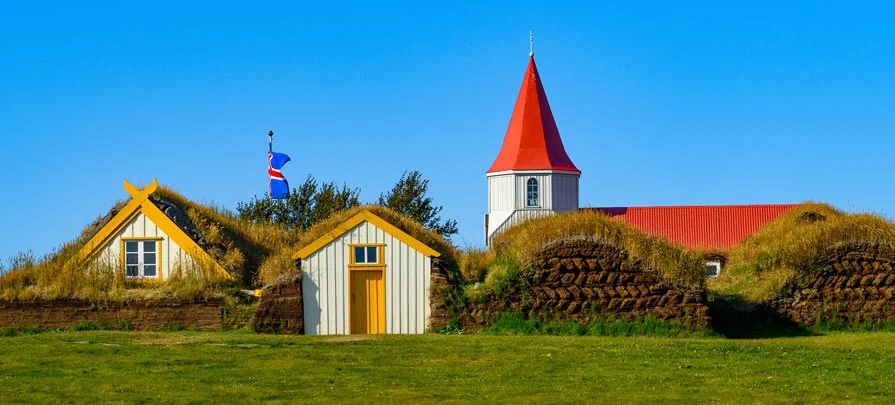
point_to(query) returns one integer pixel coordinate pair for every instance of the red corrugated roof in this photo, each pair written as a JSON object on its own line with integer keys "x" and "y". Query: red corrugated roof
{"x": 699, "y": 227}
{"x": 532, "y": 140}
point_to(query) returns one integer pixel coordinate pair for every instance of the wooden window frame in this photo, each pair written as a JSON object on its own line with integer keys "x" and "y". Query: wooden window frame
{"x": 380, "y": 264}
{"x": 158, "y": 258}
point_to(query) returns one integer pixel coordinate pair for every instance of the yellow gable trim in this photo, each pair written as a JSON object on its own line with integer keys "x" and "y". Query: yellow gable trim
{"x": 368, "y": 216}
{"x": 120, "y": 220}
{"x": 140, "y": 203}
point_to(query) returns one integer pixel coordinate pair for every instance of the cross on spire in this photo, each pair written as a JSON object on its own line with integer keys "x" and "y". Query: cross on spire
{"x": 531, "y": 44}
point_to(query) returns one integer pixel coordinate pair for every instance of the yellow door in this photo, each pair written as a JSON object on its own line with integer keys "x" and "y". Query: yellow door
{"x": 367, "y": 302}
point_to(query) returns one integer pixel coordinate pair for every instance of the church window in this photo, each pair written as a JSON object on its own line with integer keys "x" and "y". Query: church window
{"x": 532, "y": 193}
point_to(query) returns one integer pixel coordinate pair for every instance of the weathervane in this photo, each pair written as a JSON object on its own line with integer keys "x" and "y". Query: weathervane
{"x": 531, "y": 44}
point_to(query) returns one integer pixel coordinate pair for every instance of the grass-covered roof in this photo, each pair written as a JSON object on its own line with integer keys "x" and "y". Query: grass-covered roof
{"x": 240, "y": 247}
{"x": 759, "y": 266}
{"x": 409, "y": 226}
{"x": 252, "y": 252}
{"x": 524, "y": 240}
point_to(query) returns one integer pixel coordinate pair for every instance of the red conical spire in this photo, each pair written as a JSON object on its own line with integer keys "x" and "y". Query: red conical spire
{"x": 532, "y": 141}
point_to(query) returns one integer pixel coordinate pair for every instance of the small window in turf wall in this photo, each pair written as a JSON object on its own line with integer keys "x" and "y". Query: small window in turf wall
{"x": 712, "y": 268}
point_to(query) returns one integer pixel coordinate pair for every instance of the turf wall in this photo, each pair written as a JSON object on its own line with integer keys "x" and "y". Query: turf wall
{"x": 850, "y": 282}
{"x": 140, "y": 314}
{"x": 583, "y": 278}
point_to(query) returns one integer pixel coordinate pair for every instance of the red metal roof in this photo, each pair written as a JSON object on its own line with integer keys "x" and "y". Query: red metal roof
{"x": 706, "y": 226}
{"x": 532, "y": 140}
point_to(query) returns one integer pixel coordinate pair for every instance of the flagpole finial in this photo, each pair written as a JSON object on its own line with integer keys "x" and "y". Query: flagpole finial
{"x": 270, "y": 140}
{"x": 531, "y": 44}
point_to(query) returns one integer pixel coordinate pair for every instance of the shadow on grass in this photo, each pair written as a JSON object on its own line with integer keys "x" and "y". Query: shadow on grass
{"x": 735, "y": 318}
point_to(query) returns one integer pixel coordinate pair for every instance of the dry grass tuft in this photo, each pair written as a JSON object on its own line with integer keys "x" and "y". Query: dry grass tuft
{"x": 278, "y": 264}
{"x": 473, "y": 262}
{"x": 759, "y": 266}
{"x": 524, "y": 240}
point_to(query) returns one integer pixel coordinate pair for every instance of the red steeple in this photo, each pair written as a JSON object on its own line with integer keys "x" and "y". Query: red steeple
{"x": 532, "y": 141}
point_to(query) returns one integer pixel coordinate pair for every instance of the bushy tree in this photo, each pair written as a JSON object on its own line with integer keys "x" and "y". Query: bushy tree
{"x": 408, "y": 196}
{"x": 305, "y": 206}
{"x": 331, "y": 199}
{"x": 311, "y": 203}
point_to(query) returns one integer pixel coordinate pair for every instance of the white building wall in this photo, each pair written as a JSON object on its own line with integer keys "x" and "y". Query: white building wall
{"x": 407, "y": 280}
{"x": 545, "y": 191}
{"x": 565, "y": 192}
{"x": 501, "y": 192}
{"x": 142, "y": 227}
{"x": 557, "y": 192}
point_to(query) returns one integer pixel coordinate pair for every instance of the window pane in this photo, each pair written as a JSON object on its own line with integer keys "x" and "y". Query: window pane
{"x": 148, "y": 258}
{"x": 149, "y": 246}
{"x": 131, "y": 271}
{"x": 371, "y": 254}
{"x": 531, "y": 195}
{"x": 131, "y": 258}
{"x": 149, "y": 271}
{"x": 130, "y": 246}
{"x": 359, "y": 254}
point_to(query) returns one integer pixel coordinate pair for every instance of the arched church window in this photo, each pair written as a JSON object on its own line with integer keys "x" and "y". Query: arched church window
{"x": 532, "y": 188}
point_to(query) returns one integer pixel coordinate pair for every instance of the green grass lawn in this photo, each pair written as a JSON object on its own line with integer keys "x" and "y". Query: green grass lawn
{"x": 194, "y": 367}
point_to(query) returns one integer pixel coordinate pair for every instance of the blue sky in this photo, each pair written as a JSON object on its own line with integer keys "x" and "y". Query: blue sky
{"x": 657, "y": 103}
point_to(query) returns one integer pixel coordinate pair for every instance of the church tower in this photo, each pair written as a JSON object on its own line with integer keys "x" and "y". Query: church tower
{"x": 532, "y": 175}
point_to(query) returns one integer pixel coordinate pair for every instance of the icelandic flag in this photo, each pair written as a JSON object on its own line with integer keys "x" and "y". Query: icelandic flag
{"x": 277, "y": 185}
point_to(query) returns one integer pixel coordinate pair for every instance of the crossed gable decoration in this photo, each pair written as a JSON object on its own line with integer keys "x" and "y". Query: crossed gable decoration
{"x": 140, "y": 203}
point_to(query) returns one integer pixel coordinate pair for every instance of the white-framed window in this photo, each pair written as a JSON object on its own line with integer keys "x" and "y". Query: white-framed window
{"x": 141, "y": 258}
{"x": 366, "y": 255}
{"x": 531, "y": 189}
{"x": 712, "y": 268}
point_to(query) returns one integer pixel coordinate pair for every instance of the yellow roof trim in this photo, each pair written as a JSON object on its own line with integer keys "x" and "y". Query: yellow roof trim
{"x": 140, "y": 203}
{"x": 365, "y": 215}
{"x": 120, "y": 220}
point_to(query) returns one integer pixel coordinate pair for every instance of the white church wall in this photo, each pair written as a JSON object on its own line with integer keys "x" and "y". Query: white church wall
{"x": 501, "y": 192}
{"x": 545, "y": 191}
{"x": 565, "y": 192}
{"x": 508, "y": 197}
